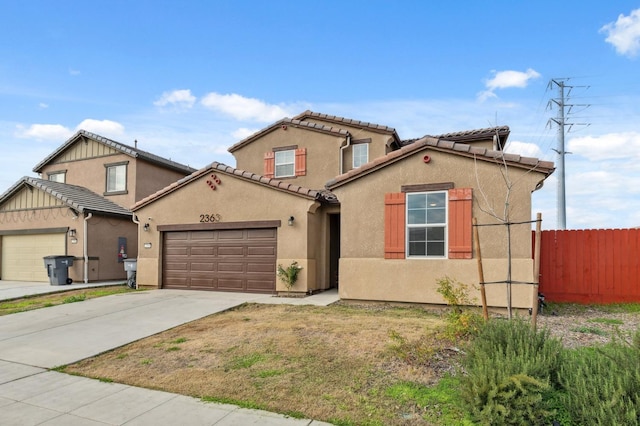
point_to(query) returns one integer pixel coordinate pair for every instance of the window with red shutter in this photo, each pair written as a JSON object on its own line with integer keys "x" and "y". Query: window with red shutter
{"x": 394, "y": 226}
{"x": 301, "y": 161}
{"x": 269, "y": 164}
{"x": 460, "y": 226}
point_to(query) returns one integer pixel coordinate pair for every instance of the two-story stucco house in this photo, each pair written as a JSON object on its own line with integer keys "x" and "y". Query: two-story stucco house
{"x": 354, "y": 205}
{"x": 79, "y": 206}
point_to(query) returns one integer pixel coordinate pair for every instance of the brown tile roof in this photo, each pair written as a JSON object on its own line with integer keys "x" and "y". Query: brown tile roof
{"x": 513, "y": 160}
{"x": 78, "y": 198}
{"x": 321, "y": 195}
{"x": 125, "y": 149}
{"x": 289, "y": 122}
{"x": 469, "y": 135}
{"x": 341, "y": 120}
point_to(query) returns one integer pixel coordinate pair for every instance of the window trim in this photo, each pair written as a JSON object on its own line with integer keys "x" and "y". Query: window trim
{"x": 445, "y": 225}
{"x": 58, "y": 172}
{"x": 292, "y": 163}
{"x": 126, "y": 178}
{"x": 353, "y": 154}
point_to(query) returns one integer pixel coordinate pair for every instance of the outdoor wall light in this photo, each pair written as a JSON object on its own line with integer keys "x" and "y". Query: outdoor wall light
{"x": 72, "y": 233}
{"x": 290, "y": 221}
{"x": 145, "y": 228}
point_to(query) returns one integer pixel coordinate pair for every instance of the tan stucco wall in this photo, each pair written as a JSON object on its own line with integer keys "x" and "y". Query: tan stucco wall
{"x": 92, "y": 174}
{"x": 103, "y": 237}
{"x": 150, "y": 178}
{"x": 235, "y": 200}
{"x": 363, "y": 266}
{"x": 323, "y": 152}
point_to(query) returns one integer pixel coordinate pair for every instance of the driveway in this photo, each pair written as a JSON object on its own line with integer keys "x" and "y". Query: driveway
{"x": 34, "y": 341}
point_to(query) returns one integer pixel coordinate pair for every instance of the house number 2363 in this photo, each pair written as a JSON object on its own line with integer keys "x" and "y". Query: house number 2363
{"x": 212, "y": 217}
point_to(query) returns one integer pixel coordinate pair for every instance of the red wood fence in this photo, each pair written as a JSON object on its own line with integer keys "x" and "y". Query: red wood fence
{"x": 590, "y": 266}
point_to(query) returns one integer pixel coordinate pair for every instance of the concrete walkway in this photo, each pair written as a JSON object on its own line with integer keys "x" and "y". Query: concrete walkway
{"x": 32, "y": 342}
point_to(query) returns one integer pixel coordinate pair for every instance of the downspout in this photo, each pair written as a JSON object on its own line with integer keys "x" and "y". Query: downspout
{"x": 342, "y": 152}
{"x": 85, "y": 248}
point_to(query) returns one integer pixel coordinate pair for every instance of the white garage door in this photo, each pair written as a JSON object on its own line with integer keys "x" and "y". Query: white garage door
{"x": 22, "y": 255}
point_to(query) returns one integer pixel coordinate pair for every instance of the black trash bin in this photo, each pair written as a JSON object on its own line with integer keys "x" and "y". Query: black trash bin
{"x": 58, "y": 269}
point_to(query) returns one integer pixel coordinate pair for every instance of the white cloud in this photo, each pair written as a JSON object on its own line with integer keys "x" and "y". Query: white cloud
{"x": 59, "y": 133}
{"x": 507, "y": 79}
{"x": 43, "y": 105}
{"x": 178, "y": 98}
{"x": 44, "y": 132}
{"x": 624, "y": 34}
{"x": 524, "y": 149}
{"x": 242, "y": 108}
{"x": 605, "y": 147}
{"x": 73, "y": 72}
{"x": 243, "y": 133}
{"x": 101, "y": 127}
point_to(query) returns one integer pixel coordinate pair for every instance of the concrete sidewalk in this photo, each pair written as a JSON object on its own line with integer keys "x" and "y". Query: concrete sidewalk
{"x": 17, "y": 289}
{"x": 31, "y": 342}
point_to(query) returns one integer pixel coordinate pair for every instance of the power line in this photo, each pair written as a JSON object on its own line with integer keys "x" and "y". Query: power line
{"x": 565, "y": 110}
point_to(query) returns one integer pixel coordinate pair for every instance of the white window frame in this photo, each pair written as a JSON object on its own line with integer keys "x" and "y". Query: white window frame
{"x": 60, "y": 177}
{"x": 120, "y": 183}
{"x": 360, "y": 158}
{"x": 279, "y": 160}
{"x": 426, "y": 225}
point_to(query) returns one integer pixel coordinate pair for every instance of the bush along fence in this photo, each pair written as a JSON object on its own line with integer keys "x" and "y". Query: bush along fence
{"x": 590, "y": 266}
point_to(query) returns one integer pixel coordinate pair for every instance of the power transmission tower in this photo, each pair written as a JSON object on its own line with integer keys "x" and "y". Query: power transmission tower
{"x": 562, "y": 121}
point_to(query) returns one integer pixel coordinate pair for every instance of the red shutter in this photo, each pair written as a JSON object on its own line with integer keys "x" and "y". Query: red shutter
{"x": 269, "y": 164}
{"x": 301, "y": 162}
{"x": 394, "y": 226}
{"x": 460, "y": 230}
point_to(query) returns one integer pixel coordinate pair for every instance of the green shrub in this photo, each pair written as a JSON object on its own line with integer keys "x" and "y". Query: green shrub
{"x": 510, "y": 372}
{"x": 602, "y": 385}
{"x": 461, "y": 320}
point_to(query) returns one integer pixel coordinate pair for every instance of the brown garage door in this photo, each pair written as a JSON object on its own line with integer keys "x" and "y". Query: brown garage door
{"x": 224, "y": 260}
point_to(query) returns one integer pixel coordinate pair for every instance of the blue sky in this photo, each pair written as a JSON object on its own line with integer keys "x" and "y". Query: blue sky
{"x": 187, "y": 79}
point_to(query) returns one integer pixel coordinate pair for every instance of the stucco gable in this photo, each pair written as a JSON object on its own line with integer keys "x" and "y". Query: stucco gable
{"x": 109, "y": 146}
{"x": 305, "y": 125}
{"x": 78, "y": 198}
{"x": 428, "y": 143}
{"x": 215, "y": 167}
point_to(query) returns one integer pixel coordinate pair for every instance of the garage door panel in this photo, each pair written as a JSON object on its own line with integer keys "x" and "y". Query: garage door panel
{"x": 22, "y": 255}
{"x": 232, "y": 234}
{"x": 199, "y": 266}
{"x": 237, "y": 251}
{"x": 223, "y": 260}
{"x": 264, "y": 268}
{"x": 261, "y": 251}
{"x": 203, "y": 251}
{"x": 267, "y": 233}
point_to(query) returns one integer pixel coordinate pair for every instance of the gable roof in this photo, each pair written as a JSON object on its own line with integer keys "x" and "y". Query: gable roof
{"x": 125, "y": 149}
{"x": 460, "y": 149}
{"x": 76, "y": 197}
{"x": 379, "y": 128}
{"x": 322, "y": 195}
{"x": 467, "y": 136}
{"x": 289, "y": 122}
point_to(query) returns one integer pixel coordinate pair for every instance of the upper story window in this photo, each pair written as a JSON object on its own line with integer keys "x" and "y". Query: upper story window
{"x": 285, "y": 163}
{"x": 56, "y": 176}
{"x": 426, "y": 224}
{"x": 360, "y": 154}
{"x": 116, "y": 177}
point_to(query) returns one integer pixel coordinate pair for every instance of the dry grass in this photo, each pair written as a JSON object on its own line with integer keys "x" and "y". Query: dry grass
{"x": 47, "y": 300}
{"x": 328, "y": 363}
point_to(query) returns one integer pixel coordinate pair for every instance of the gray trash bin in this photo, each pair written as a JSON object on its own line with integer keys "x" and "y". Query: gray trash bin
{"x": 58, "y": 269}
{"x": 131, "y": 266}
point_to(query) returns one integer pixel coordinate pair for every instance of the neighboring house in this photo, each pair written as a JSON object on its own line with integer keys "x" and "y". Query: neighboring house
{"x": 80, "y": 207}
{"x": 393, "y": 217}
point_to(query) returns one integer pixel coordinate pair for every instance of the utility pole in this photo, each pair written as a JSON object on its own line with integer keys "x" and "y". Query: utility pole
{"x": 564, "y": 109}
